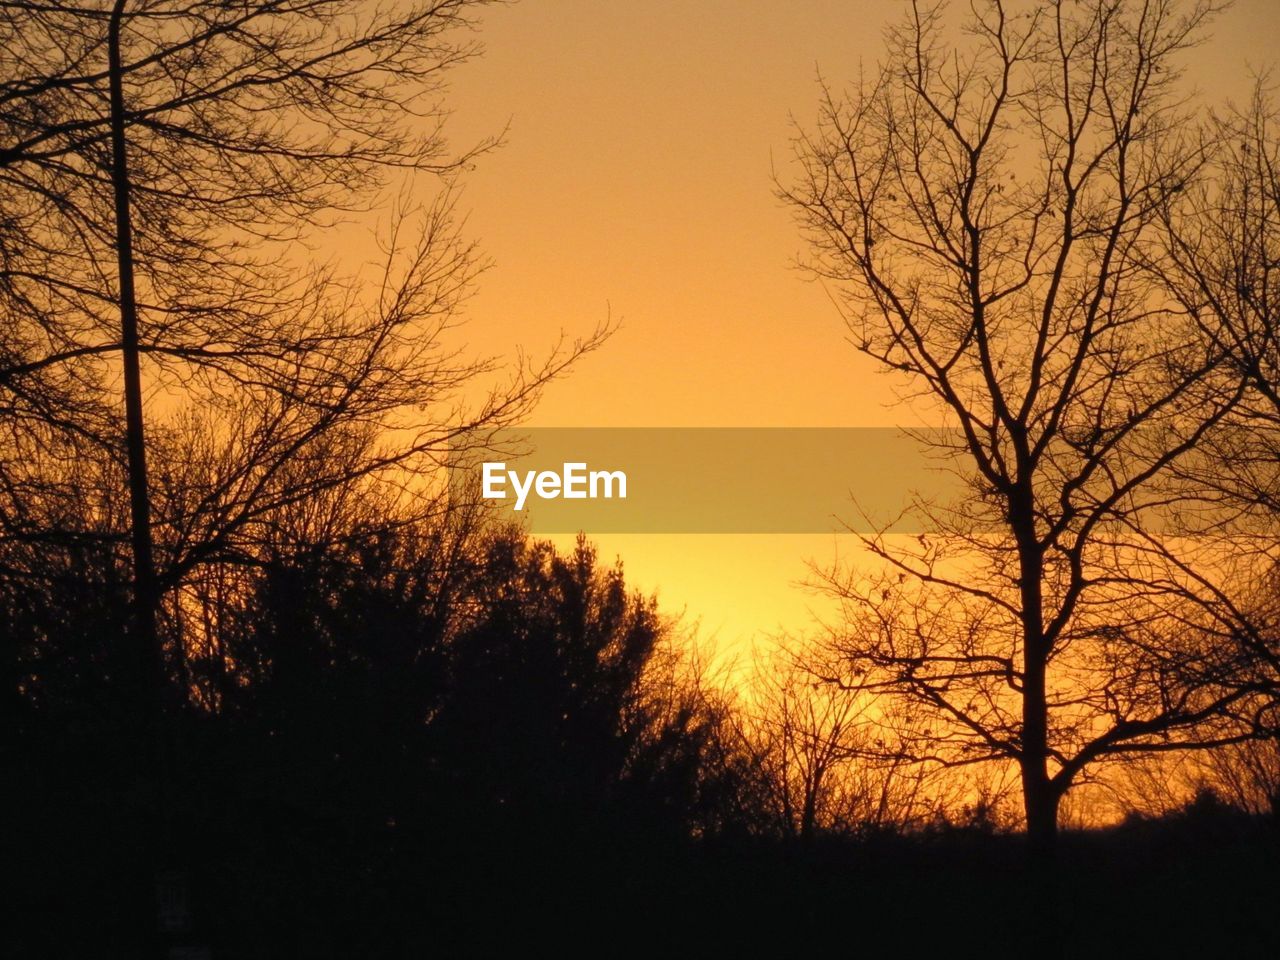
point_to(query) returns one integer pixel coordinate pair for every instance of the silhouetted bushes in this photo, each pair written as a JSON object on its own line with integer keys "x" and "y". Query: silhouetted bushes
{"x": 434, "y": 735}
{"x": 361, "y": 733}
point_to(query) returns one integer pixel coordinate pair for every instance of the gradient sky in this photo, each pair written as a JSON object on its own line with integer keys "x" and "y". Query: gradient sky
{"x": 636, "y": 180}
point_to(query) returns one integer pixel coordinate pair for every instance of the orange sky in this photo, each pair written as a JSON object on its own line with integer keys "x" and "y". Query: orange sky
{"x": 636, "y": 180}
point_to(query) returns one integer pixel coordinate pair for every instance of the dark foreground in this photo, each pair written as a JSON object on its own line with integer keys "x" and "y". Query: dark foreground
{"x": 376, "y": 752}
{"x": 1203, "y": 883}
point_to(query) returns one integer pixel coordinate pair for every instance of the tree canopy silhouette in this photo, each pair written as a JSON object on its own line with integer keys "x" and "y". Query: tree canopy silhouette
{"x": 165, "y": 169}
{"x": 989, "y": 216}
{"x": 1220, "y": 253}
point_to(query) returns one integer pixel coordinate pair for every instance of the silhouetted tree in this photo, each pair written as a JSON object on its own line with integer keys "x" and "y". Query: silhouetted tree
{"x": 805, "y": 735}
{"x": 418, "y": 703}
{"x": 162, "y": 165}
{"x": 1220, "y": 253}
{"x": 987, "y": 215}
{"x": 547, "y": 700}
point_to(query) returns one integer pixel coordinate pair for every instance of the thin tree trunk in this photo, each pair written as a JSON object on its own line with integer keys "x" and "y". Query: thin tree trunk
{"x": 144, "y": 574}
{"x": 145, "y": 652}
{"x": 1039, "y": 794}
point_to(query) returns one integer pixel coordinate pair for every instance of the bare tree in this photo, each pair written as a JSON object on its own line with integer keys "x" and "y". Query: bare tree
{"x": 164, "y": 166}
{"x": 1247, "y": 775}
{"x": 804, "y": 734}
{"x": 825, "y": 760}
{"x": 1220, "y": 254}
{"x": 987, "y": 216}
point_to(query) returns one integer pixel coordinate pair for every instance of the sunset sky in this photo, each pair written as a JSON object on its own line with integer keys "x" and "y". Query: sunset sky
{"x": 333, "y": 329}
{"x": 636, "y": 181}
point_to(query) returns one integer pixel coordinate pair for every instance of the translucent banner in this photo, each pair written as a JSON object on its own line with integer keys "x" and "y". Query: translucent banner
{"x": 707, "y": 480}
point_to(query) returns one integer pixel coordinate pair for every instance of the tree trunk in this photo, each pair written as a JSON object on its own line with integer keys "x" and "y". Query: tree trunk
{"x": 148, "y": 688}
{"x": 1039, "y": 795}
{"x": 1040, "y": 804}
{"x": 144, "y": 575}
{"x": 1040, "y": 909}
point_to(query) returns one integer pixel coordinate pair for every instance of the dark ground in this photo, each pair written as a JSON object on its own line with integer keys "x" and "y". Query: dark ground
{"x": 1200, "y": 884}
